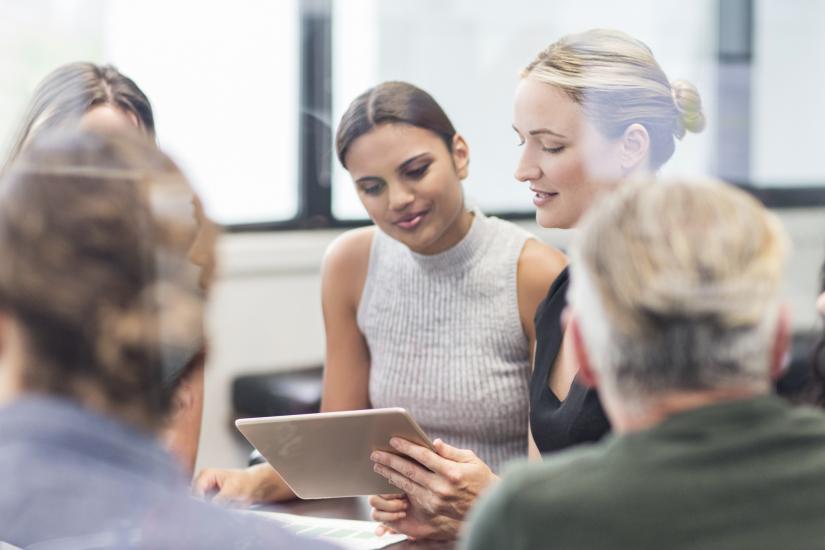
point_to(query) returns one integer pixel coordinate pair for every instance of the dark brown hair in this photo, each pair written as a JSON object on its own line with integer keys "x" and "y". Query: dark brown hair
{"x": 70, "y": 91}
{"x": 392, "y": 103}
{"x": 95, "y": 231}
{"x": 818, "y": 360}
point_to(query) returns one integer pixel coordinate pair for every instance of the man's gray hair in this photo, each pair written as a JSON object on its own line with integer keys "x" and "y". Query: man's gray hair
{"x": 676, "y": 288}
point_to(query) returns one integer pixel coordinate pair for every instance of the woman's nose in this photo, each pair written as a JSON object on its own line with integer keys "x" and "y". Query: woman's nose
{"x": 527, "y": 169}
{"x": 400, "y": 196}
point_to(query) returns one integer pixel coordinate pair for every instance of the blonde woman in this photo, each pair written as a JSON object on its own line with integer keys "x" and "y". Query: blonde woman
{"x": 591, "y": 110}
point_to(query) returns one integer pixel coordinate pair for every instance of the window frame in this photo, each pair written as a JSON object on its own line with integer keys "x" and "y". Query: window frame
{"x": 735, "y": 33}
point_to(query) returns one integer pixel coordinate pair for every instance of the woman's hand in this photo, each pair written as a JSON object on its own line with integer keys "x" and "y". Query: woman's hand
{"x": 397, "y": 515}
{"x": 259, "y": 483}
{"x": 442, "y": 483}
{"x": 389, "y": 508}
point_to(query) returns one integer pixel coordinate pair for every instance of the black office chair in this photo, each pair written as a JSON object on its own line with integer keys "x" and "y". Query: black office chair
{"x": 294, "y": 391}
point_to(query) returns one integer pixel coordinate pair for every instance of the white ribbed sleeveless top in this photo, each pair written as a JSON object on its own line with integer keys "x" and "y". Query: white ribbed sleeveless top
{"x": 446, "y": 340}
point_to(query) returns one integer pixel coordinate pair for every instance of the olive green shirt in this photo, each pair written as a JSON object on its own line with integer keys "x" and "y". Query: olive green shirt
{"x": 743, "y": 474}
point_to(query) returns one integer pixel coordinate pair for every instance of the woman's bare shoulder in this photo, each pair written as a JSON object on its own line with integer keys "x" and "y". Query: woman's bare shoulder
{"x": 346, "y": 262}
{"x": 350, "y": 249}
{"x": 539, "y": 264}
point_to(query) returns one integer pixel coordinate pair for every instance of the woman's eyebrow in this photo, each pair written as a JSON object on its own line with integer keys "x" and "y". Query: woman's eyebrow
{"x": 541, "y": 131}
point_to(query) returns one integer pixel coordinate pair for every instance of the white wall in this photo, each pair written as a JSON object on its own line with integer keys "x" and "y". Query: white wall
{"x": 266, "y": 312}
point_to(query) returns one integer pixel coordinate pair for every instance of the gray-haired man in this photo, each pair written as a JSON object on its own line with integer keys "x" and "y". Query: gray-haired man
{"x": 676, "y": 319}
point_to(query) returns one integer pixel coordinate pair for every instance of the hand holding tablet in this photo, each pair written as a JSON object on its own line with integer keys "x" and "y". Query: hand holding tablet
{"x": 327, "y": 455}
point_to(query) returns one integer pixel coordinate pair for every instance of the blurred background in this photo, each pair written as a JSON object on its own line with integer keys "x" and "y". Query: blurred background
{"x": 247, "y": 93}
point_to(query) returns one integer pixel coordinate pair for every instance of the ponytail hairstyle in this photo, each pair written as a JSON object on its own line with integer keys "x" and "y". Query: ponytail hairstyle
{"x": 392, "y": 103}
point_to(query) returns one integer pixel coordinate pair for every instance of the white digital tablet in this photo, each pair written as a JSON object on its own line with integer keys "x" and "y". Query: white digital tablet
{"x": 327, "y": 455}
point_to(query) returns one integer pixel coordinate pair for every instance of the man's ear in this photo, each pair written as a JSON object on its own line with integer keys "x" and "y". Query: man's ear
{"x": 461, "y": 156}
{"x": 183, "y": 398}
{"x": 635, "y": 148}
{"x": 587, "y": 375}
{"x": 781, "y": 342}
{"x": 11, "y": 357}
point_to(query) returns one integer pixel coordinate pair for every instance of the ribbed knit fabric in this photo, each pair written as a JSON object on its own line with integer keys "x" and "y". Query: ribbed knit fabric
{"x": 446, "y": 340}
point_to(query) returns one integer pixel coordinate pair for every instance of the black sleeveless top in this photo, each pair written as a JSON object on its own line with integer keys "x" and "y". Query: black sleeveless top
{"x": 579, "y": 418}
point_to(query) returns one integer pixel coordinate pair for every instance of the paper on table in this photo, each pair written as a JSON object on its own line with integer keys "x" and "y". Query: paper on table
{"x": 346, "y": 533}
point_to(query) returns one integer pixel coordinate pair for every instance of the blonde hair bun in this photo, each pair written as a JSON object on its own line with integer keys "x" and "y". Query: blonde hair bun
{"x": 689, "y": 104}
{"x": 617, "y": 81}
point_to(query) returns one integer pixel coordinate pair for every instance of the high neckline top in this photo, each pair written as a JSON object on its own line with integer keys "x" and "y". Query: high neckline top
{"x": 462, "y": 253}
{"x": 446, "y": 341}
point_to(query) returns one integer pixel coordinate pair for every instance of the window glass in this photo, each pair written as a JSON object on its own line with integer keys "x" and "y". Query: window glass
{"x": 468, "y": 53}
{"x": 222, "y": 77}
{"x": 788, "y": 111}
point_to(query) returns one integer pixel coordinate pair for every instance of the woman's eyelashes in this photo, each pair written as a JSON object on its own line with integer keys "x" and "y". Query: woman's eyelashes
{"x": 372, "y": 188}
{"x": 376, "y": 186}
{"x": 417, "y": 172}
{"x": 546, "y": 149}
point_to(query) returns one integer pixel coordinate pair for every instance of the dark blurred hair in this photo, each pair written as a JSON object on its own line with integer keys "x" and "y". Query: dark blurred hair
{"x": 818, "y": 359}
{"x": 95, "y": 231}
{"x": 392, "y": 103}
{"x": 72, "y": 90}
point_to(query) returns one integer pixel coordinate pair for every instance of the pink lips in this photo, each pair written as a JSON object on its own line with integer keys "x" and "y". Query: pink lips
{"x": 542, "y": 198}
{"x": 412, "y": 221}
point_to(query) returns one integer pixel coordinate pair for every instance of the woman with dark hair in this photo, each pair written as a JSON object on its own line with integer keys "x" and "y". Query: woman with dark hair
{"x": 83, "y": 93}
{"x": 431, "y": 308}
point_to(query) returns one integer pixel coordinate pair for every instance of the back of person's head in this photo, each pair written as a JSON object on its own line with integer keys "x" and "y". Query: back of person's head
{"x": 95, "y": 236}
{"x": 618, "y": 82}
{"x": 71, "y": 91}
{"x": 676, "y": 289}
{"x": 392, "y": 103}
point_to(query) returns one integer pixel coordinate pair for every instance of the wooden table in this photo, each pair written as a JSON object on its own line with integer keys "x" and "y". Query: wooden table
{"x": 353, "y": 508}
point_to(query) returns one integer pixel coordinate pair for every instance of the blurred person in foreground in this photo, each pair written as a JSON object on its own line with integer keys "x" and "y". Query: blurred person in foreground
{"x": 99, "y": 97}
{"x": 676, "y": 319}
{"x": 100, "y": 305}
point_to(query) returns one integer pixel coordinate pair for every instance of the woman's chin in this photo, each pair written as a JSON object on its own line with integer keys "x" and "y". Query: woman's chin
{"x": 547, "y": 220}
{"x": 555, "y": 219}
